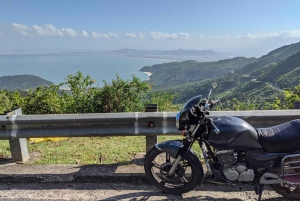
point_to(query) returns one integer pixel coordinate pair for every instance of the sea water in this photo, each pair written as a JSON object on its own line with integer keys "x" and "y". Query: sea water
{"x": 55, "y": 68}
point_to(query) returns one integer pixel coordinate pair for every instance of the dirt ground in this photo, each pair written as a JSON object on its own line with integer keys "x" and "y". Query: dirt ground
{"x": 125, "y": 191}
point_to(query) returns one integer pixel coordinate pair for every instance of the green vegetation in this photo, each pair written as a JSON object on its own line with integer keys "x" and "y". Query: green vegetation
{"x": 274, "y": 56}
{"x": 22, "y": 82}
{"x": 270, "y": 82}
{"x": 89, "y": 150}
{"x": 177, "y": 73}
{"x": 118, "y": 96}
{"x": 258, "y": 82}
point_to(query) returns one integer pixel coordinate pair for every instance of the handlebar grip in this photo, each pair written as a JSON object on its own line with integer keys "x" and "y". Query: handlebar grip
{"x": 216, "y": 101}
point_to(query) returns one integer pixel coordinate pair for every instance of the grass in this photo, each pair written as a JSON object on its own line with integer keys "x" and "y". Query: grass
{"x": 88, "y": 150}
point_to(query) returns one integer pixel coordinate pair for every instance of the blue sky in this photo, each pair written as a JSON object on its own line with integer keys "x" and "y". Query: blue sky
{"x": 230, "y": 25}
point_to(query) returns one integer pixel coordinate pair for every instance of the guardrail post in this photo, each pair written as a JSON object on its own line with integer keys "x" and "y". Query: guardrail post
{"x": 151, "y": 140}
{"x": 297, "y": 105}
{"x": 18, "y": 146}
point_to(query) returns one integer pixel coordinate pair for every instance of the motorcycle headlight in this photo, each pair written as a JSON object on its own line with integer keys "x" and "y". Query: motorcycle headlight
{"x": 182, "y": 120}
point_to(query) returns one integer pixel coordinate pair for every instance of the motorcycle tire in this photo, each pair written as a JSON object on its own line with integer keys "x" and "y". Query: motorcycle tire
{"x": 294, "y": 195}
{"x": 185, "y": 179}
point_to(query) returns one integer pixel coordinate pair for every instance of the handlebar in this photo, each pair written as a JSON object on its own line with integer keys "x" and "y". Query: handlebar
{"x": 210, "y": 104}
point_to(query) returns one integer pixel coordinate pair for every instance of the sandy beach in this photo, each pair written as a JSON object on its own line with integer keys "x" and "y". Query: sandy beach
{"x": 149, "y": 74}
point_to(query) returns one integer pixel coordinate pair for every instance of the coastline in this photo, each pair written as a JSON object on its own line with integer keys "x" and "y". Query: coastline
{"x": 149, "y": 74}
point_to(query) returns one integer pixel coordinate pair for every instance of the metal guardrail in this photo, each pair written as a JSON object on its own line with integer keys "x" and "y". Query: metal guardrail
{"x": 16, "y": 127}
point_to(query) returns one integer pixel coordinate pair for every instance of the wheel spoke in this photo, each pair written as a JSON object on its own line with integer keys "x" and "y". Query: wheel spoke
{"x": 154, "y": 164}
{"x": 168, "y": 158}
{"x": 183, "y": 180}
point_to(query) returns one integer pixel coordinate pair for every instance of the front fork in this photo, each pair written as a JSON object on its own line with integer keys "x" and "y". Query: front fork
{"x": 204, "y": 153}
{"x": 188, "y": 142}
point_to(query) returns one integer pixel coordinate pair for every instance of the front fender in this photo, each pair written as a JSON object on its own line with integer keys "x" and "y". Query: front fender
{"x": 172, "y": 147}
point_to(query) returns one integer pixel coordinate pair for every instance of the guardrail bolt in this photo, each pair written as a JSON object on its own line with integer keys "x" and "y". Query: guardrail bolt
{"x": 151, "y": 124}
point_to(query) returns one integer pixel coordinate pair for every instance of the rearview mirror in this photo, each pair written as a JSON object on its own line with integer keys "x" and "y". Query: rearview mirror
{"x": 214, "y": 85}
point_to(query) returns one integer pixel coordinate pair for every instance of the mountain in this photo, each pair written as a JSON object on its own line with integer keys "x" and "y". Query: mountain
{"x": 266, "y": 80}
{"x": 178, "y": 55}
{"x": 273, "y": 56}
{"x": 22, "y": 82}
{"x": 177, "y": 73}
{"x": 284, "y": 74}
{"x": 259, "y": 80}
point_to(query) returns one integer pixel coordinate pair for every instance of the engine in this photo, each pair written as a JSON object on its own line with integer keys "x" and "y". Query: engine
{"x": 233, "y": 169}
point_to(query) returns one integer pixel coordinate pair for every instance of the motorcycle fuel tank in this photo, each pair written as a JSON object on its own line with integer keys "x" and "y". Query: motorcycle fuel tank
{"x": 235, "y": 133}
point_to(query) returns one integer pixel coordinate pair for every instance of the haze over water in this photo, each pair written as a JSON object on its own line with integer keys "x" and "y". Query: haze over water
{"x": 55, "y": 68}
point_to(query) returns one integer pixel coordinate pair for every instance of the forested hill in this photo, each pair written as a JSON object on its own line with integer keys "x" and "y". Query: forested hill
{"x": 177, "y": 73}
{"x": 284, "y": 74}
{"x": 22, "y": 82}
{"x": 266, "y": 83}
{"x": 273, "y": 56}
{"x": 261, "y": 80}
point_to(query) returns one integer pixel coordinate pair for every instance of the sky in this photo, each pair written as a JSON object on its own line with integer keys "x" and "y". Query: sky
{"x": 87, "y": 25}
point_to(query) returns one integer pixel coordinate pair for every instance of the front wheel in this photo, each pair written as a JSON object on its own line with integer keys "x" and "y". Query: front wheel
{"x": 157, "y": 165}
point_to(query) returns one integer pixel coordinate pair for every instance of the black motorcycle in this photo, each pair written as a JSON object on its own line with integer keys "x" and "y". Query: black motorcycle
{"x": 233, "y": 151}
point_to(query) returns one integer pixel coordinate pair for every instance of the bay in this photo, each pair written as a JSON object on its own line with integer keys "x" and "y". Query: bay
{"x": 55, "y": 68}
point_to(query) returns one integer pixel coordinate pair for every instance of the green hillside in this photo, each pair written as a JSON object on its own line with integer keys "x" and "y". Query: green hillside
{"x": 274, "y": 56}
{"x": 177, "y": 73}
{"x": 278, "y": 73}
{"x": 22, "y": 82}
{"x": 261, "y": 80}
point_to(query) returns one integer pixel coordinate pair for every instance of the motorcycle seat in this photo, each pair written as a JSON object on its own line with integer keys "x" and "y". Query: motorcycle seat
{"x": 283, "y": 138}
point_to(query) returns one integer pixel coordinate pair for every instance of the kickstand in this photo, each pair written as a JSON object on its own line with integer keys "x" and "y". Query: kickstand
{"x": 258, "y": 190}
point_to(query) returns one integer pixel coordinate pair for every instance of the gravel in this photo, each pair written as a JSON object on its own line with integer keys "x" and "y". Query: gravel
{"x": 125, "y": 191}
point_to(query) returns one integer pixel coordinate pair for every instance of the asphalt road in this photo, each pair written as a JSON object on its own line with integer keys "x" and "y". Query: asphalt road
{"x": 124, "y": 191}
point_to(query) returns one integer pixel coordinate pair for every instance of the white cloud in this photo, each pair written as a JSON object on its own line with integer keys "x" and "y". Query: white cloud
{"x": 108, "y": 35}
{"x": 99, "y": 35}
{"x": 282, "y": 35}
{"x": 47, "y": 30}
{"x": 51, "y": 30}
{"x": 142, "y": 35}
{"x": 22, "y": 28}
{"x": 113, "y": 35}
{"x": 160, "y": 35}
{"x": 247, "y": 36}
{"x": 289, "y": 34}
{"x": 130, "y": 35}
{"x": 84, "y": 34}
{"x": 183, "y": 35}
{"x": 69, "y": 32}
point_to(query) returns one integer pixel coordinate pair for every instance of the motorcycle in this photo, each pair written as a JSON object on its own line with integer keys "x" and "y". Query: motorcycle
{"x": 233, "y": 151}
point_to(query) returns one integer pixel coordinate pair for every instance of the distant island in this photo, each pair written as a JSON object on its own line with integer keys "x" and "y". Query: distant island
{"x": 175, "y": 55}
{"x": 22, "y": 82}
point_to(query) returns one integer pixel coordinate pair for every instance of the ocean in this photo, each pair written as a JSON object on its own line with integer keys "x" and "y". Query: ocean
{"x": 55, "y": 68}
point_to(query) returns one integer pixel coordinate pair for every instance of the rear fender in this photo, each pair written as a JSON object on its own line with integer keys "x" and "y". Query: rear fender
{"x": 172, "y": 147}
